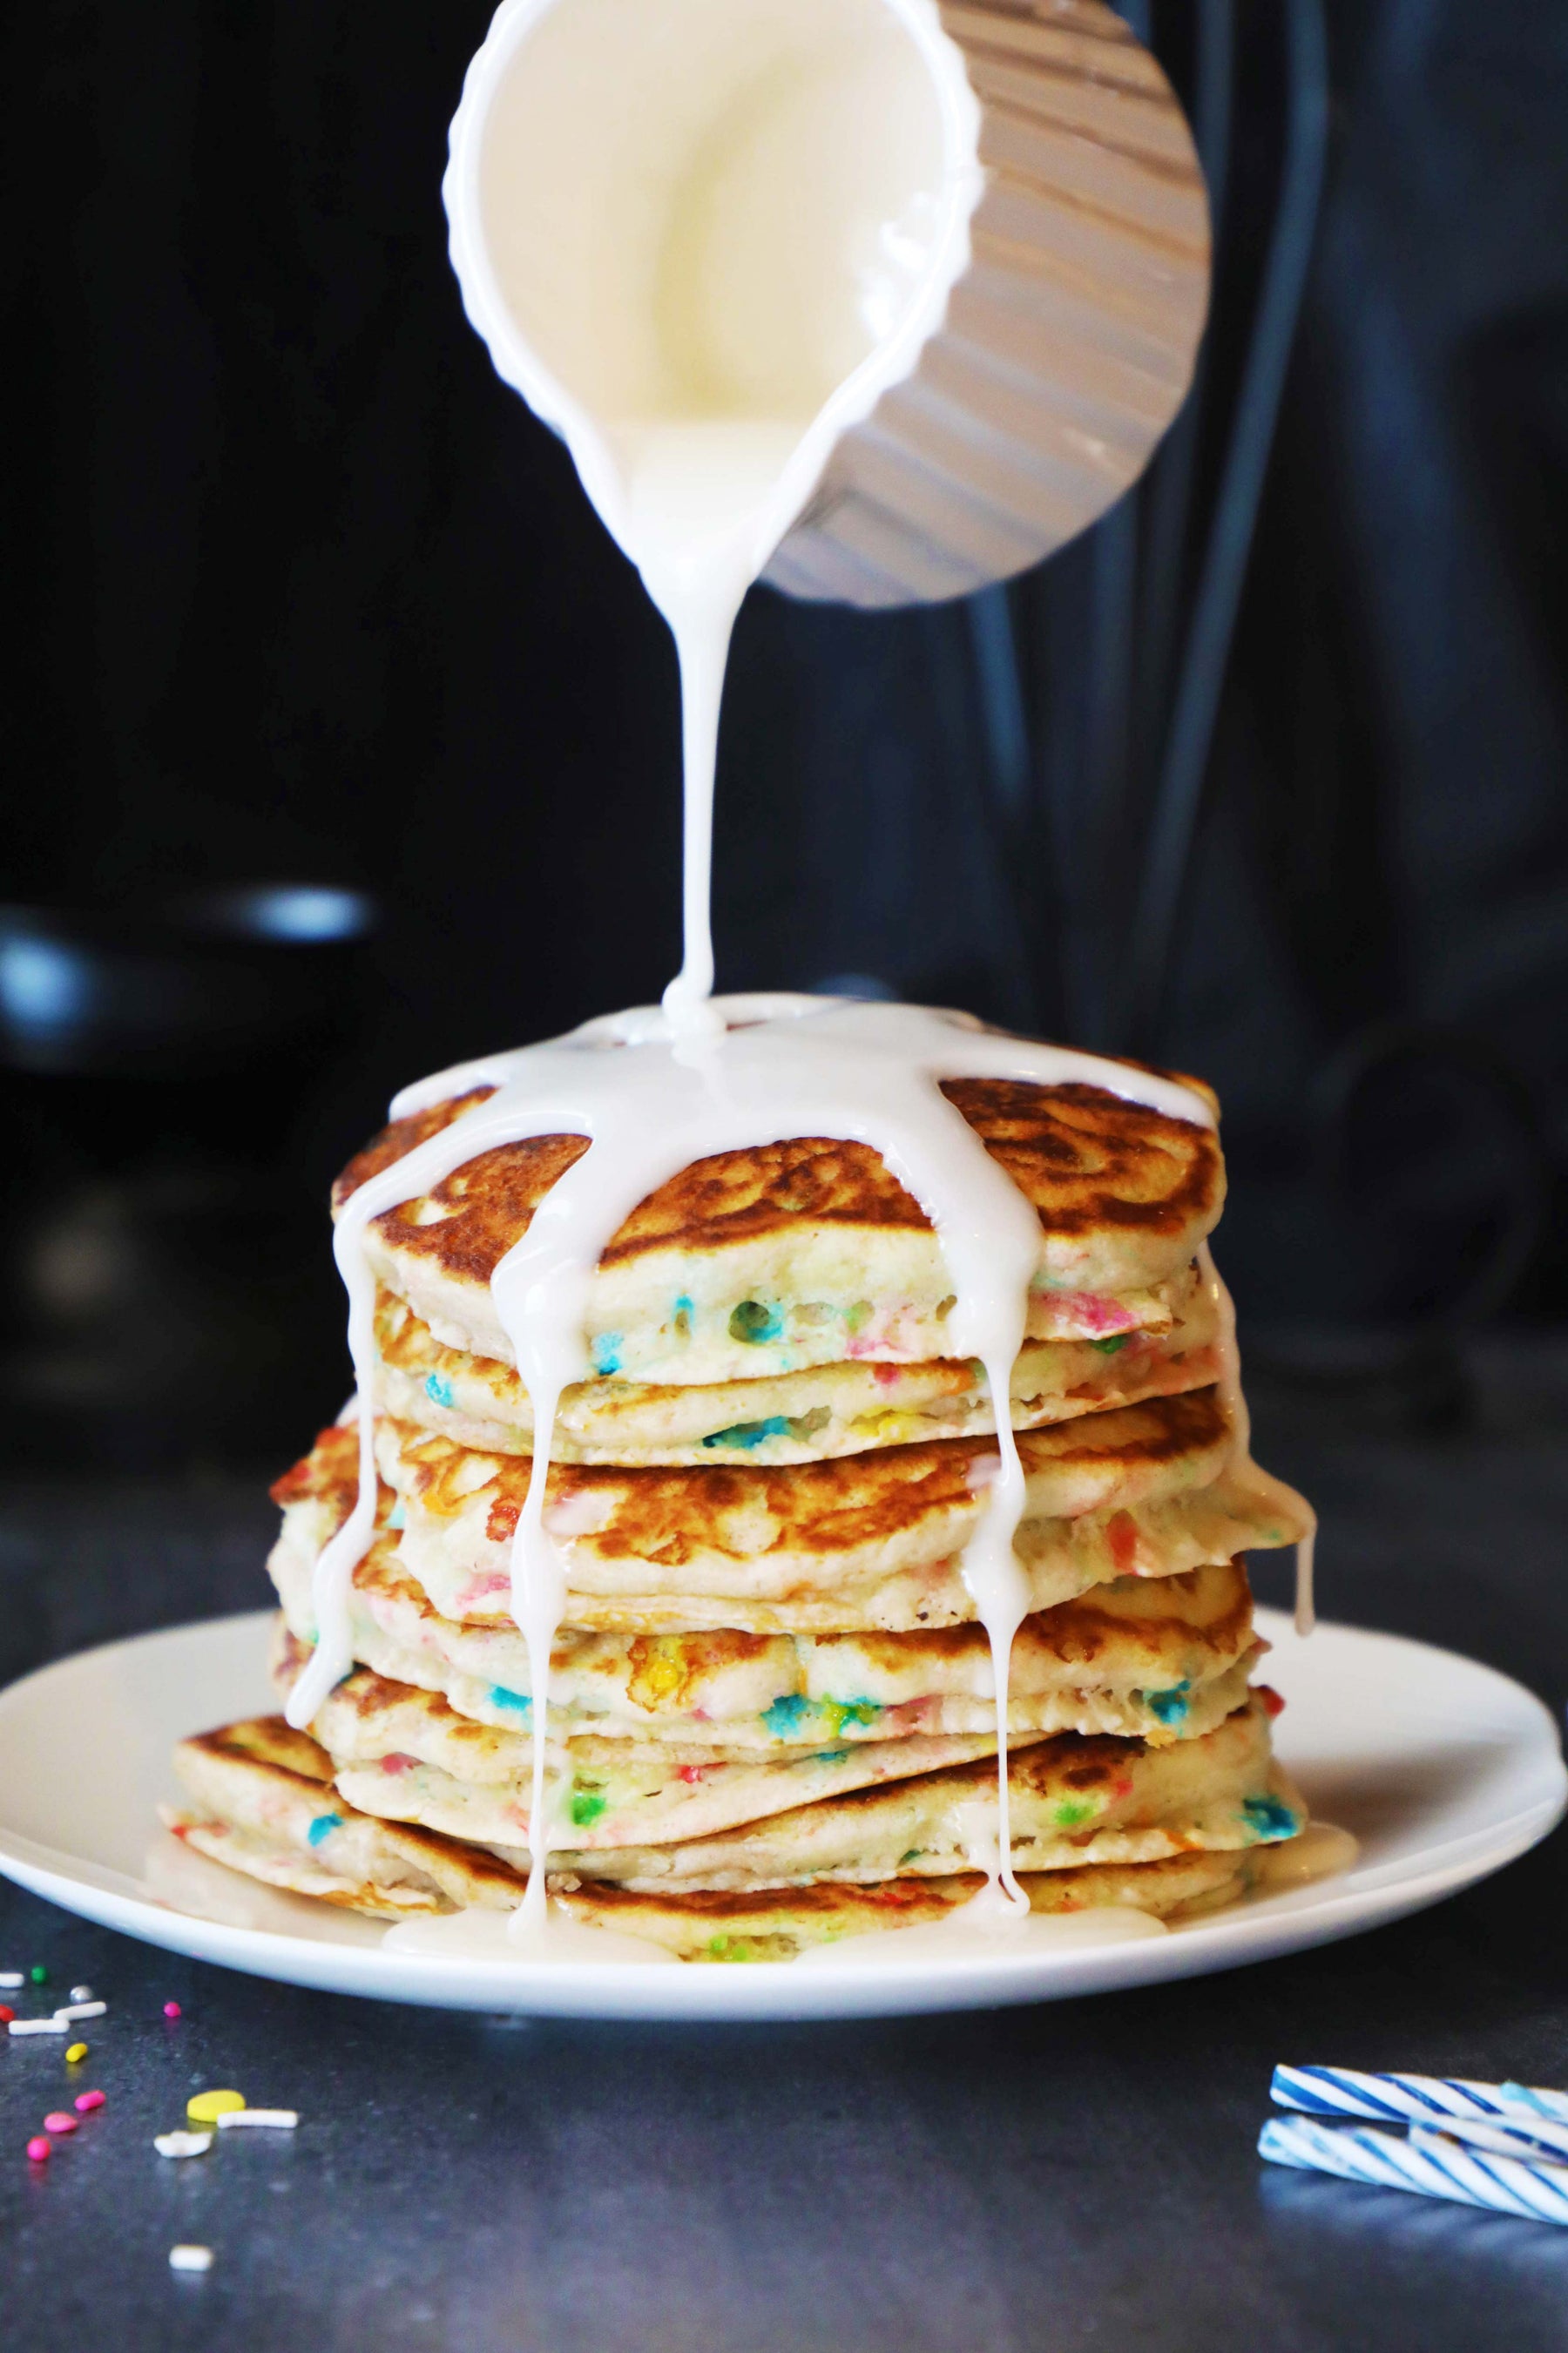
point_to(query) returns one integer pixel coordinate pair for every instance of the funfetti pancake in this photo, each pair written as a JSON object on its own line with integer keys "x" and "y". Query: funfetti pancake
{"x": 863, "y": 1540}
{"x": 764, "y": 1261}
{"x": 802, "y": 1416}
{"x": 403, "y": 1753}
{"x": 1157, "y": 1659}
{"x": 261, "y": 1800}
{"x": 1074, "y": 1800}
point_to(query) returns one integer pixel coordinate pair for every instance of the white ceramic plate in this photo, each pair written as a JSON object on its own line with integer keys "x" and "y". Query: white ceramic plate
{"x": 1443, "y": 1769}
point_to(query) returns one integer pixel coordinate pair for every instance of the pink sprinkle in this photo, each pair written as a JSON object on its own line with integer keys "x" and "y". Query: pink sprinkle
{"x": 85, "y": 2103}
{"x": 171, "y": 2009}
{"x": 38, "y": 2149}
{"x": 395, "y": 1762}
{"x": 690, "y": 1774}
{"x": 57, "y": 2121}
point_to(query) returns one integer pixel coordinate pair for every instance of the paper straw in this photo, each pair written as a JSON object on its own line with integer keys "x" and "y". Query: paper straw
{"x": 1428, "y": 2163}
{"x": 1403, "y": 2099}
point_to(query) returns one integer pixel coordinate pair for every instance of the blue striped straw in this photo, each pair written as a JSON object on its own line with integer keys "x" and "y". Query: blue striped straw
{"x": 1428, "y": 2163}
{"x": 1530, "y": 2137}
{"x": 1407, "y": 2099}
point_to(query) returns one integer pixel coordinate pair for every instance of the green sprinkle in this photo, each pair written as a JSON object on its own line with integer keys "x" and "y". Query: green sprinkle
{"x": 39, "y": 1973}
{"x": 587, "y": 1804}
{"x": 754, "y": 1323}
{"x": 1072, "y": 1811}
{"x": 1110, "y": 1347}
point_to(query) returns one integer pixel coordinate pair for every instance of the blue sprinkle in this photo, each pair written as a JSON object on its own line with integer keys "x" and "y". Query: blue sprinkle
{"x": 322, "y": 1828}
{"x": 750, "y": 1433}
{"x": 830, "y": 1757}
{"x": 685, "y": 1310}
{"x": 438, "y": 1391}
{"x": 397, "y": 1517}
{"x": 520, "y": 1701}
{"x": 1169, "y": 1706}
{"x": 605, "y": 1350}
{"x": 787, "y": 1715}
{"x": 1270, "y": 1818}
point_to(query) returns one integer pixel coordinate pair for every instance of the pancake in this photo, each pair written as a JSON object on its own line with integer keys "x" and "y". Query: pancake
{"x": 1158, "y": 1659}
{"x": 764, "y": 1262}
{"x": 420, "y": 1761}
{"x": 859, "y": 1541}
{"x": 262, "y": 1803}
{"x": 798, "y": 1417}
{"x": 1073, "y": 1800}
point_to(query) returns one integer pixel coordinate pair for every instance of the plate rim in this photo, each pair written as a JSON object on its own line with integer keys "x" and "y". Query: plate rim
{"x": 1268, "y": 1928}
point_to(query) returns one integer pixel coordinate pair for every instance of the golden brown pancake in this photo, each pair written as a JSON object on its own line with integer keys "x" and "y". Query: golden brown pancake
{"x": 262, "y": 1802}
{"x": 864, "y": 1540}
{"x": 867, "y": 1542}
{"x": 787, "y": 1255}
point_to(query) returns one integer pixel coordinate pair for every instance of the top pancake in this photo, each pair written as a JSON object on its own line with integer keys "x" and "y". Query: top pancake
{"x": 761, "y": 1261}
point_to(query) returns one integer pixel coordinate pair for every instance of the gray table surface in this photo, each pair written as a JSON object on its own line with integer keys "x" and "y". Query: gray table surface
{"x": 1073, "y": 2175}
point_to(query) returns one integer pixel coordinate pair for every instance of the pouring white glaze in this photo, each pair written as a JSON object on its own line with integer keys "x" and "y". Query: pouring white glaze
{"x": 703, "y": 238}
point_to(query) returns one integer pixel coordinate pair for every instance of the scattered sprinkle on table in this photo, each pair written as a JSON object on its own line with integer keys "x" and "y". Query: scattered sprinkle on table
{"x": 38, "y": 2149}
{"x": 70, "y": 2012}
{"x": 76, "y": 2054}
{"x": 39, "y": 1973}
{"x": 171, "y": 2009}
{"x": 190, "y": 2259}
{"x": 85, "y": 2102}
{"x": 207, "y": 2107}
{"x": 183, "y": 2144}
{"x": 81, "y": 1993}
{"x": 36, "y": 2026}
{"x": 272, "y": 2119}
{"x": 11, "y": 1978}
{"x": 60, "y": 2120}
{"x": 6, "y": 2013}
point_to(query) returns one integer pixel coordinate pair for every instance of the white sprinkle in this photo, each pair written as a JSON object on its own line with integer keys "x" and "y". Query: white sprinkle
{"x": 37, "y": 2026}
{"x": 183, "y": 2144}
{"x": 81, "y": 1993}
{"x": 10, "y": 1980}
{"x": 71, "y": 2010}
{"x": 280, "y": 2119}
{"x": 190, "y": 2259}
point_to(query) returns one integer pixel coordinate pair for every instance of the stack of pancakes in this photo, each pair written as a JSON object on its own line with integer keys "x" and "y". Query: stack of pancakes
{"x": 771, "y": 1716}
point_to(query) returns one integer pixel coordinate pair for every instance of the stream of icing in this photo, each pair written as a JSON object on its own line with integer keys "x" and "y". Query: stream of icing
{"x": 652, "y": 1099}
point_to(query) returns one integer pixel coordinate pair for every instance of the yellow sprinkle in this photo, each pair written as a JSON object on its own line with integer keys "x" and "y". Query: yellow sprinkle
{"x": 207, "y": 2106}
{"x": 78, "y": 2051}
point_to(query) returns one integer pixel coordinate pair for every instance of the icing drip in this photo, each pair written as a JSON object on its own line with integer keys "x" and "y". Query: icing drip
{"x": 651, "y": 1101}
{"x": 1240, "y": 1421}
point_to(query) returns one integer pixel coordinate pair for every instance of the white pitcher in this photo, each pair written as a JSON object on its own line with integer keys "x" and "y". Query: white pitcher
{"x": 941, "y": 273}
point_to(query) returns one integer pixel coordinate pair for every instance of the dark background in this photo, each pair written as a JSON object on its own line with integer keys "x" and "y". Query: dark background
{"x": 301, "y": 594}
